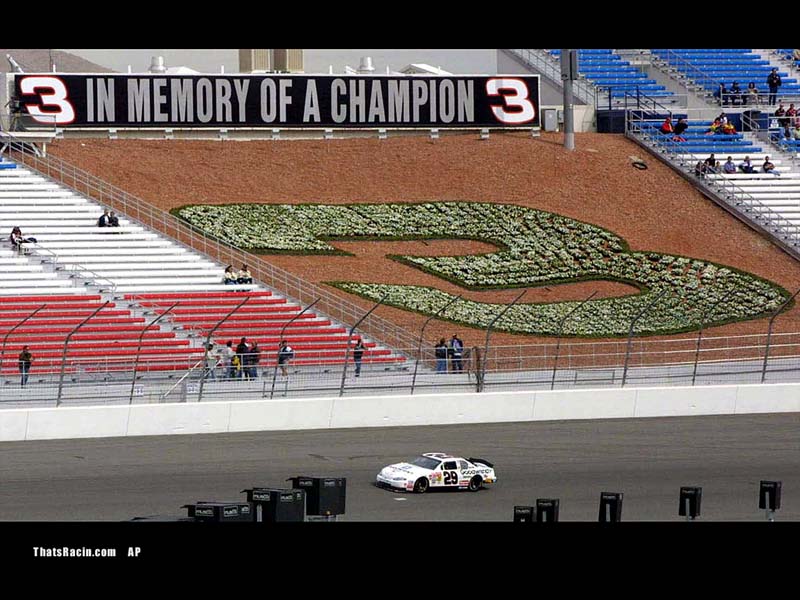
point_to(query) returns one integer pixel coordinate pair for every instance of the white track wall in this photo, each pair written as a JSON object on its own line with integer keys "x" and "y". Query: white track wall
{"x": 387, "y": 411}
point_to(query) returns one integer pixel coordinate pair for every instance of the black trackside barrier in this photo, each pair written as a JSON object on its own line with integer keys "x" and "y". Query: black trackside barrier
{"x": 221, "y": 512}
{"x": 325, "y": 496}
{"x": 547, "y": 510}
{"x": 769, "y": 495}
{"x": 690, "y": 502}
{"x": 277, "y": 505}
{"x": 524, "y": 514}
{"x": 162, "y": 519}
{"x": 610, "y": 507}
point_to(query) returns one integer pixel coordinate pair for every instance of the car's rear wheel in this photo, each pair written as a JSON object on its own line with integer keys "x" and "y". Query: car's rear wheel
{"x": 421, "y": 485}
{"x": 475, "y": 483}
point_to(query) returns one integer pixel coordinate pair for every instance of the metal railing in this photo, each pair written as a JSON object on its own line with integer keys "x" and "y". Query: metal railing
{"x": 543, "y": 61}
{"x": 688, "y": 360}
{"x": 725, "y": 190}
{"x": 289, "y": 285}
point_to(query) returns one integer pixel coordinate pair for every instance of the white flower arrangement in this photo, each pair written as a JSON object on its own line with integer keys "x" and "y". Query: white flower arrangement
{"x": 535, "y": 248}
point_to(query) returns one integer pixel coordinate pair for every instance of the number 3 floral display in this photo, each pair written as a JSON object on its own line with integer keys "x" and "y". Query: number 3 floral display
{"x": 536, "y": 248}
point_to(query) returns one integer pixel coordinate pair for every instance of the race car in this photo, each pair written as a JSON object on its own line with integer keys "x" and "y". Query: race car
{"x": 436, "y": 470}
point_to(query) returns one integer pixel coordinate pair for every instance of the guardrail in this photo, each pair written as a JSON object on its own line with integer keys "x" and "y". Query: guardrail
{"x": 289, "y": 285}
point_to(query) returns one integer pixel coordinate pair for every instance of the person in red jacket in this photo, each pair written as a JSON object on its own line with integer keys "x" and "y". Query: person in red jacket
{"x": 666, "y": 126}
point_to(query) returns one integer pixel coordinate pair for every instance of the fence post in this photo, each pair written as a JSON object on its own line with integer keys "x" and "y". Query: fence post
{"x": 769, "y": 334}
{"x": 275, "y": 371}
{"x": 560, "y": 330}
{"x": 350, "y": 337}
{"x": 700, "y": 333}
{"x": 421, "y": 339}
{"x": 480, "y": 381}
{"x": 630, "y": 335}
{"x": 208, "y": 341}
{"x": 139, "y": 348}
{"x": 10, "y": 331}
{"x": 64, "y": 353}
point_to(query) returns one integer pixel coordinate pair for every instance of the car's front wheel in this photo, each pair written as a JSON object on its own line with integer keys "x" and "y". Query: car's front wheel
{"x": 421, "y": 485}
{"x": 475, "y": 483}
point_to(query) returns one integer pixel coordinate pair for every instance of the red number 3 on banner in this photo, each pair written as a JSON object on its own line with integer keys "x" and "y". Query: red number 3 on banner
{"x": 517, "y": 107}
{"x": 61, "y": 111}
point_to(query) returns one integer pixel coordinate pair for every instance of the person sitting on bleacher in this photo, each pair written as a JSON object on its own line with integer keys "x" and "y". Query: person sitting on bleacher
{"x": 729, "y": 167}
{"x": 746, "y": 166}
{"x": 680, "y": 127}
{"x": 768, "y": 167}
{"x": 17, "y": 239}
{"x": 752, "y": 93}
{"x": 722, "y": 94}
{"x": 113, "y": 220}
{"x": 787, "y": 132}
{"x": 666, "y": 126}
{"x": 791, "y": 112}
{"x": 796, "y": 131}
{"x": 728, "y": 129}
{"x": 780, "y": 113}
{"x": 715, "y": 127}
{"x": 700, "y": 168}
{"x": 230, "y": 278}
{"x": 711, "y": 164}
{"x": 244, "y": 275}
{"x": 103, "y": 220}
{"x": 736, "y": 94}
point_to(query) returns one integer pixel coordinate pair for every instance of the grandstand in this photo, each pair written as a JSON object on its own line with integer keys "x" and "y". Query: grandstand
{"x": 105, "y": 285}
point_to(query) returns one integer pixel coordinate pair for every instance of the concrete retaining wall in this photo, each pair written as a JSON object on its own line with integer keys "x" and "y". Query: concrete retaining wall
{"x": 386, "y": 411}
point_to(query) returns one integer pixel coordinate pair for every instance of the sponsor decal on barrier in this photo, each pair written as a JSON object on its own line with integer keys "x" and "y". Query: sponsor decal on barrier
{"x": 330, "y": 101}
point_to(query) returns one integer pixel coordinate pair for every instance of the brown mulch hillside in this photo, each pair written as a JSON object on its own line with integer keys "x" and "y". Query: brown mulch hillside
{"x": 653, "y": 209}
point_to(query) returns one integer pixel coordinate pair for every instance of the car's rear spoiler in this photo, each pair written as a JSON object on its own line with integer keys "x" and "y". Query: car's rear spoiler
{"x": 483, "y": 461}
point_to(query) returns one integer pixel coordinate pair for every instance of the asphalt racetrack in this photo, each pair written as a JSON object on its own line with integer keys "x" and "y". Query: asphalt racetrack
{"x": 646, "y": 459}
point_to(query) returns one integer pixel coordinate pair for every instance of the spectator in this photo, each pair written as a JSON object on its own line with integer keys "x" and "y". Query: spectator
{"x": 285, "y": 354}
{"x": 746, "y": 166}
{"x": 358, "y": 354}
{"x": 212, "y": 358}
{"x": 699, "y": 170}
{"x": 715, "y": 127}
{"x": 230, "y": 277}
{"x": 241, "y": 350}
{"x": 780, "y": 114}
{"x": 25, "y": 359}
{"x": 774, "y": 82}
{"x": 440, "y": 351}
{"x": 768, "y": 167}
{"x": 666, "y": 126}
{"x": 680, "y": 127}
{"x": 796, "y": 131}
{"x": 752, "y": 93}
{"x": 729, "y": 167}
{"x": 253, "y": 358}
{"x": 711, "y": 164}
{"x": 787, "y": 132}
{"x": 795, "y": 54}
{"x": 457, "y": 349}
{"x": 103, "y": 220}
{"x": 244, "y": 275}
{"x": 17, "y": 239}
{"x": 113, "y": 220}
{"x": 736, "y": 94}
{"x": 227, "y": 354}
{"x": 728, "y": 128}
{"x": 722, "y": 94}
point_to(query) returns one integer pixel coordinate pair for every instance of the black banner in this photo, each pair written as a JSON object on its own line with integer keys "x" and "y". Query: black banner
{"x": 279, "y": 101}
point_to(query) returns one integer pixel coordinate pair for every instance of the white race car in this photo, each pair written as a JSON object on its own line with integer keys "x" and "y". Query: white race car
{"x": 435, "y": 470}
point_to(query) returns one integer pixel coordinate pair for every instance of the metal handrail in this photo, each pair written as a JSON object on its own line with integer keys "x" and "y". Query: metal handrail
{"x": 180, "y": 232}
{"x": 725, "y": 189}
{"x": 547, "y": 65}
